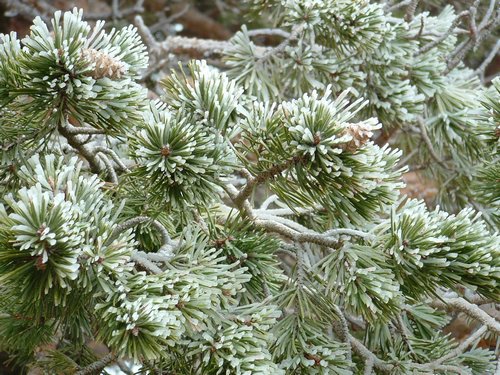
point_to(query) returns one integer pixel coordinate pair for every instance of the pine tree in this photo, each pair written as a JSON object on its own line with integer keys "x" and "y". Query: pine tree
{"x": 250, "y": 219}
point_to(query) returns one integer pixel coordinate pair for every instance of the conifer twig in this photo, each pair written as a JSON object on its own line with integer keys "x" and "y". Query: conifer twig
{"x": 113, "y": 177}
{"x": 469, "y": 309}
{"x": 75, "y": 141}
{"x": 405, "y": 334}
{"x": 264, "y": 176}
{"x": 271, "y": 32}
{"x": 310, "y": 237}
{"x": 113, "y": 156}
{"x": 494, "y": 51}
{"x": 70, "y": 129}
{"x": 437, "y": 364}
{"x": 428, "y": 143}
{"x": 165, "y": 237}
{"x": 98, "y": 365}
{"x": 146, "y": 34}
{"x": 478, "y": 34}
{"x": 199, "y": 48}
{"x": 146, "y": 263}
{"x": 368, "y": 370}
{"x": 341, "y": 328}
{"x": 390, "y": 8}
{"x": 367, "y": 355}
{"x": 410, "y": 10}
{"x": 281, "y": 47}
{"x": 430, "y": 45}
{"x": 487, "y": 15}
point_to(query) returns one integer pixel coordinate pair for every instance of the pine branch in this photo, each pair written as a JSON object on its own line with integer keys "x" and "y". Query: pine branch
{"x": 391, "y": 8}
{"x": 98, "y": 365}
{"x": 487, "y": 61}
{"x": 270, "y": 32}
{"x": 368, "y": 370}
{"x": 113, "y": 177}
{"x": 75, "y": 141}
{"x": 428, "y": 143}
{"x": 145, "y": 263}
{"x": 75, "y": 130}
{"x": 265, "y": 176}
{"x": 451, "y": 29}
{"x": 470, "y": 309}
{"x": 296, "y": 211}
{"x": 166, "y": 241}
{"x": 342, "y": 329}
{"x": 438, "y": 363}
{"x": 107, "y": 151}
{"x": 369, "y": 357}
{"x": 181, "y": 168}
{"x": 310, "y": 237}
{"x": 199, "y": 48}
{"x": 405, "y": 334}
{"x": 410, "y": 10}
{"x": 282, "y": 46}
{"x": 478, "y": 34}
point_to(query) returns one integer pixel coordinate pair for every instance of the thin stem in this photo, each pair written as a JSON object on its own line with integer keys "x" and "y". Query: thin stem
{"x": 341, "y": 329}
{"x": 469, "y": 309}
{"x": 271, "y": 32}
{"x": 398, "y": 5}
{"x": 410, "y": 10}
{"x": 282, "y": 220}
{"x": 452, "y": 27}
{"x": 438, "y": 363}
{"x": 70, "y": 129}
{"x": 113, "y": 156}
{"x": 366, "y": 354}
{"x": 198, "y": 48}
{"x": 271, "y": 199}
{"x": 113, "y": 178}
{"x": 115, "y": 9}
{"x": 165, "y": 237}
{"x": 310, "y": 237}
{"x": 84, "y": 150}
{"x": 478, "y": 36}
{"x": 481, "y": 69}
{"x": 428, "y": 143}
{"x": 98, "y": 365}
{"x": 145, "y": 34}
{"x": 146, "y": 264}
{"x": 368, "y": 367}
{"x": 487, "y": 15}
{"x": 405, "y": 334}
{"x": 281, "y": 47}
{"x": 264, "y": 176}
{"x": 348, "y": 231}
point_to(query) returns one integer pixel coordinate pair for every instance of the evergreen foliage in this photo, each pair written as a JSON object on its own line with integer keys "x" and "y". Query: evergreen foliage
{"x": 248, "y": 221}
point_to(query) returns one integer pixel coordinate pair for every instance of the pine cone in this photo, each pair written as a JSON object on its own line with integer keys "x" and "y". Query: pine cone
{"x": 104, "y": 65}
{"x": 360, "y": 133}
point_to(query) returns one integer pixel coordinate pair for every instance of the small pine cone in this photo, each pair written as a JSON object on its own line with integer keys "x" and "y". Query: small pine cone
{"x": 360, "y": 133}
{"x": 104, "y": 65}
